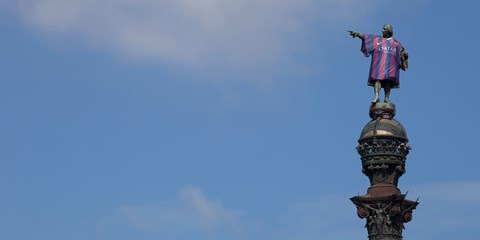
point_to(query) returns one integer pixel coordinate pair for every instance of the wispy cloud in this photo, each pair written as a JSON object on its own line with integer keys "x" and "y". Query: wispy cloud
{"x": 200, "y": 33}
{"x": 446, "y": 209}
{"x": 191, "y": 213}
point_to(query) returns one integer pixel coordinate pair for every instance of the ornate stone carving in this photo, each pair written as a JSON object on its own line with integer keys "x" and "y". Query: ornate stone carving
{"x": 385, "y": 216}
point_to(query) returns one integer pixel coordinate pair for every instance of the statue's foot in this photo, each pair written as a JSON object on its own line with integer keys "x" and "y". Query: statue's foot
{"x": 386, "y": 100}
{"x": 375, "y": 100}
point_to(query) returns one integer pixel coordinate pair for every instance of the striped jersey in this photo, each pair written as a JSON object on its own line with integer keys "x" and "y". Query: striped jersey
{"x": 385, "y": 54}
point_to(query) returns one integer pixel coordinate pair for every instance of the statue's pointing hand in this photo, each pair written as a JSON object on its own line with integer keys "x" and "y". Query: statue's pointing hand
{"x": 353, "y": 33}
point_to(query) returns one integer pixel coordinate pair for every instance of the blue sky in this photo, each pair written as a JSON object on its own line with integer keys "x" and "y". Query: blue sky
{"x": 212, "y": 119}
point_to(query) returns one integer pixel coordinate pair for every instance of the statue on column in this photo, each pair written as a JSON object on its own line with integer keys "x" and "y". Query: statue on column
{"x": 383, "y": 144}
{"x": 388, "y": 57}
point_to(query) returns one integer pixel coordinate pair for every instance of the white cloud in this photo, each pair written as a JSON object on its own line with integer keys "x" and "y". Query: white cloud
{"x": 191, "y": 213}
{"x": 207, "y": 212}
{"x": 445, "y": 210}
{"x": 200, "y": 33}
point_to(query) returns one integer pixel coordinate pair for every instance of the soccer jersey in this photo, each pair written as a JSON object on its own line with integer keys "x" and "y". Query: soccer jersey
{"x": 385, "y": 54}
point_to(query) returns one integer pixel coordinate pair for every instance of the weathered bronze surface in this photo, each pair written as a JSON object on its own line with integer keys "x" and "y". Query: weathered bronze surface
{"x": 383, "y": 148}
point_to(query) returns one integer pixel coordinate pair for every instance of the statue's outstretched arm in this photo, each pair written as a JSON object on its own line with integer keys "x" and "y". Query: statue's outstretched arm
{"x": 355, "y": 34}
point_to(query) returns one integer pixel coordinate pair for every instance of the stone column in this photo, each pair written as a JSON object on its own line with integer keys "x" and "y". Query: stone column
{"x": 383, "y": 147}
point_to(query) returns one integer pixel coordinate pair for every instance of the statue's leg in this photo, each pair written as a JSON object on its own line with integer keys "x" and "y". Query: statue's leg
{"x": 376, "y": 89}
{"x": 387, "y": 87}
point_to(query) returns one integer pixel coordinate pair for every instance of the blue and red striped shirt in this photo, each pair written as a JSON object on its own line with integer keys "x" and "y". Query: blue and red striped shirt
{"x": 386, "y": 62}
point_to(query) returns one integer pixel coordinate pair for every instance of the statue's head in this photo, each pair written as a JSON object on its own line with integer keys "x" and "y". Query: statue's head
{"x": 387, "y": 31}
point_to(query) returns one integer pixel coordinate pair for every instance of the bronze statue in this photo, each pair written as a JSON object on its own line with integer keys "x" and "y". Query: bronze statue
{"x": 388, "y": 57}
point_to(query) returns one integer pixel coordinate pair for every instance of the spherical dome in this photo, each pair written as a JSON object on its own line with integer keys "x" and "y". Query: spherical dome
{"x": 385, "y": 128}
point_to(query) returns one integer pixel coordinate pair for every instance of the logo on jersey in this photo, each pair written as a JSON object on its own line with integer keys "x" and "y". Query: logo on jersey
{"x": 388, "y": 49}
